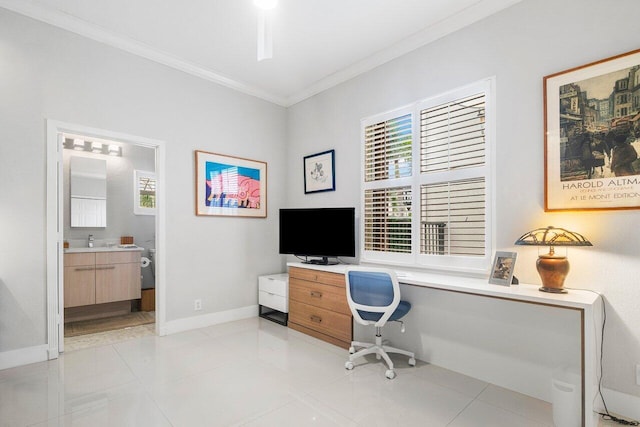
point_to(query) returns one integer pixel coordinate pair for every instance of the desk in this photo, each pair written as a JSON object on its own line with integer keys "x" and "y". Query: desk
{"x": 586, "y": 303}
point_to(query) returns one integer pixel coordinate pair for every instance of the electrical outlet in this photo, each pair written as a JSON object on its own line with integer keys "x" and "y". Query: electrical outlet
{"x": 197, "y": 304}
{"x": 638, "y": 374}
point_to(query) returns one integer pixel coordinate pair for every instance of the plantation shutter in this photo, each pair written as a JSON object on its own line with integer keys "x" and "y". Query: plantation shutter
{"x": 452, "y": 209}
{"x": 387, "y": 208}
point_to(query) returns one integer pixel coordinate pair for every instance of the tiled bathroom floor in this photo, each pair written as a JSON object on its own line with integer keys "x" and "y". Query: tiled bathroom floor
{"x": 250, "y": 373}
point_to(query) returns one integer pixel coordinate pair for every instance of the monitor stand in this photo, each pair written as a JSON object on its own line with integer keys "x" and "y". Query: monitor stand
{"x": 320, "y": 261}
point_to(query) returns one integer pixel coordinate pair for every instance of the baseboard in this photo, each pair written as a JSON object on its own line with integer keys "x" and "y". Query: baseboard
{"x": 204, "y": 320}
{"x": 625, "y": 405}
{"x": 23, "y": 356}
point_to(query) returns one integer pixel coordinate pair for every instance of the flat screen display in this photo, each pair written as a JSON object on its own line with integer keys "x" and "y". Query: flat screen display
{"x": 318, "y": 232}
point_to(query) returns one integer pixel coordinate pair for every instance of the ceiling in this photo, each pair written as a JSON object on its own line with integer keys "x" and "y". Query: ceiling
{"x": 316, "y": 43}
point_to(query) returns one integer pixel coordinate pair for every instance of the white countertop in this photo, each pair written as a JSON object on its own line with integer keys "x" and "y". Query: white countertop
{"x": 103, "y": 249}
{"x": 523, "y": 292}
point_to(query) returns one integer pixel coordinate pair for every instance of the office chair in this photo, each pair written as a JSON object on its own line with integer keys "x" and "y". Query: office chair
{"x": 373, "y": 295}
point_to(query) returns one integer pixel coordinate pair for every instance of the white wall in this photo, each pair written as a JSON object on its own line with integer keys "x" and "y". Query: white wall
{"x": 519, "y": 46}
{"x": 48, "y": 73}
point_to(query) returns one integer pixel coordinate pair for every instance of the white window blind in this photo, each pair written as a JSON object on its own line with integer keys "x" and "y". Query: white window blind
{"x": 388, "y": 149}
{"x": 452, "y": 136}
{"x": 387, "y": 220}
{"x": 427, "y": 182}
{"x": 453, "y": 218}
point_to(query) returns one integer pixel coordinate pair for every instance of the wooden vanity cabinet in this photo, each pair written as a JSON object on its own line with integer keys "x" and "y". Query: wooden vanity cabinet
{"x": 101, "y": 277}
{"x": 117, "y": 276}
{"x": 79, "y": 279}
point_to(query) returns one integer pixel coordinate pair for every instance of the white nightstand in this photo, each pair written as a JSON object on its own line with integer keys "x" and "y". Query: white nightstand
{"x": 273, "y": 297}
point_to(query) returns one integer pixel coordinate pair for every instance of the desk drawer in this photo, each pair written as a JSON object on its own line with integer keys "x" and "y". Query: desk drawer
{"x": 316, "y": 294}
{"x": 334, "y": 324}
{"x": 277, "y": 302}
{"x": 332, "y": 279}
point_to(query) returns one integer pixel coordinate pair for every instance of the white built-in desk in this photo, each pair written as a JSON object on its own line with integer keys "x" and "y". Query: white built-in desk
{"x": 587, "y": 303}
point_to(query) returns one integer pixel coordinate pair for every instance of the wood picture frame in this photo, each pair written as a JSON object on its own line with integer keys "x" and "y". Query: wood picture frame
{"x": 319, "y": 172}
{"x": 230, "y": 186}
{"x": 592, "y": 136}
{"x": 502, "y": 268}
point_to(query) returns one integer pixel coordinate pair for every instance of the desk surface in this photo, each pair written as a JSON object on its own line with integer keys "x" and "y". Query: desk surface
{"x": 472, "y": 285}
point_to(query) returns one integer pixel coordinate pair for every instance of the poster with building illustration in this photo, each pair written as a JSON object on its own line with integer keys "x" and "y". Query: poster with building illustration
{"x": 230, "y": 186}
{"x": 592, "y": 136}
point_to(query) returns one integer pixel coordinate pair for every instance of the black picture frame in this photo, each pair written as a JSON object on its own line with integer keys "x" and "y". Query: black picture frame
{"x": 319, "y": 172}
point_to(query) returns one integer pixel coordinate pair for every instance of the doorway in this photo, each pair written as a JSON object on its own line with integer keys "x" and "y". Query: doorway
{"x": 114, "y": 252}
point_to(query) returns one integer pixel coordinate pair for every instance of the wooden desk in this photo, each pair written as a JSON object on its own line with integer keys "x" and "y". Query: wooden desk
{"x": 587, "y": 304}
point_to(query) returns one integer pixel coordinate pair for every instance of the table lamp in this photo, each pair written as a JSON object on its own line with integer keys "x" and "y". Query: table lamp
{"x": 551, "y": 267}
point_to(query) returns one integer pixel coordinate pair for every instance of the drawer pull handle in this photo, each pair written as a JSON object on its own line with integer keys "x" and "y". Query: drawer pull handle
{"x": 84, "y": 268}
{"x": 316, "y": 319}
{"x": 316, "y": 294}
{"x": 109, "y": 267}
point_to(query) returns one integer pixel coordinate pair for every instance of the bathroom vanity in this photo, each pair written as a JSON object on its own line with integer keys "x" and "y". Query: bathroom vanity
{"x": 104, "y": 275}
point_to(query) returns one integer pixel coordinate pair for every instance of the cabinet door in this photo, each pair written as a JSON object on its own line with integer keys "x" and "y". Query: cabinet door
{"x": 117, "y": 282}
{"x": 79, "y": 285}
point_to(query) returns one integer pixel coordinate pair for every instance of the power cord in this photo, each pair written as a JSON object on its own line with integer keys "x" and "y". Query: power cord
{"x": 605, "y": 415}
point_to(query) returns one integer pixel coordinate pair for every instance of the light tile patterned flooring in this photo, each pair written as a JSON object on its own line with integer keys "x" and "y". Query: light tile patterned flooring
{"x": 248, "y": 373}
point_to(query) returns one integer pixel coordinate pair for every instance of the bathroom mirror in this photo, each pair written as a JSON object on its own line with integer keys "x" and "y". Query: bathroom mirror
{"x": 88, "y": 179}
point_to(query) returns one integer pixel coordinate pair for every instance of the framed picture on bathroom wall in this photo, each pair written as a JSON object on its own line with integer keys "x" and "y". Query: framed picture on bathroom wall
{"x": 230, "y": 186}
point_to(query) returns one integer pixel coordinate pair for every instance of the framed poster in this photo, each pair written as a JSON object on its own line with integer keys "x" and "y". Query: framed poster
{"x": 319, "y": 172}
{"x": 592, "y": 136}
{"x": 230, "y": 186}
{"x": 502, "y": 268}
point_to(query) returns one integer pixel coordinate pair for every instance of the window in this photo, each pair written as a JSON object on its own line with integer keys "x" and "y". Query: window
{"x": 426, "y": 183}
{"x": 144, "y": 193}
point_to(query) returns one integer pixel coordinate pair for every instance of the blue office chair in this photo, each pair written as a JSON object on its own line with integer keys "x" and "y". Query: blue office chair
{"x": 373, "y": 295}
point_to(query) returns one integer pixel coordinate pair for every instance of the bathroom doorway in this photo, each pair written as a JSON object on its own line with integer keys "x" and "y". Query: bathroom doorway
{"x": 104, "y": 256}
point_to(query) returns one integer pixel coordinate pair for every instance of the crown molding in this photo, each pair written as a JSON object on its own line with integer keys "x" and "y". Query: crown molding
{"x": 476, "y": 12}
{"x": 479, "y": 10}
{"x": 96, "y": 33}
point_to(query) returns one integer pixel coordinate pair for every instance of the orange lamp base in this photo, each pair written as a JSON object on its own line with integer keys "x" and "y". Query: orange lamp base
{"x": 552, "y": 270}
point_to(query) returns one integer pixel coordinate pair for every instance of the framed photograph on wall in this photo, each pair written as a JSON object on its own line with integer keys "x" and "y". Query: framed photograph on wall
{"x": 592, "y": 136}
{"x": 230, "y": 186}
{"x": 319, "y": 172}
{"x": 502, "y": 268}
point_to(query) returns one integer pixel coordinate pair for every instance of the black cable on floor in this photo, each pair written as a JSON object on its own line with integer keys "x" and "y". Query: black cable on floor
{"x": 605, "y": 415}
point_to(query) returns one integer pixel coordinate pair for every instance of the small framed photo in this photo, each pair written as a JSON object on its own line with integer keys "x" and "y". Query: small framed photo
{"x": 502, "y": 270}
{"x": 319, "y": 172}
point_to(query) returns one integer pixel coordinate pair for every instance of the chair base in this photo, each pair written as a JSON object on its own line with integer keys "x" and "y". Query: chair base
{"x": 381, "y": 351}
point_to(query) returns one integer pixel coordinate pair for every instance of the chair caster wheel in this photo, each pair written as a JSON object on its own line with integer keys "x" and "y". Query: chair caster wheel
{"x": 412, "y": 362}
{"x": 352, "y": 350}
{"x": 391, "y": 374}
{"x": 348, "y": 365}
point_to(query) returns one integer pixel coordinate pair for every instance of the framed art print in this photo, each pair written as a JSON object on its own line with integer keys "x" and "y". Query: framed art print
{"x": 502, "y": 268}
{"x": 319, "y": 172}
{"x": 592, "y": 136}
{"x": 230, "y": 186}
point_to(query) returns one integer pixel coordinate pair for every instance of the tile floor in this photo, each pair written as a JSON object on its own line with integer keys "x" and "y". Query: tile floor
{"x": 249, "y": 373}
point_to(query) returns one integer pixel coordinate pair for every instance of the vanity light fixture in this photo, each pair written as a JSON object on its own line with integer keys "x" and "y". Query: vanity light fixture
{"x": 80, "y": 144}
{"x": 552, "y": 267}
{"x": 115, "y": 150}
